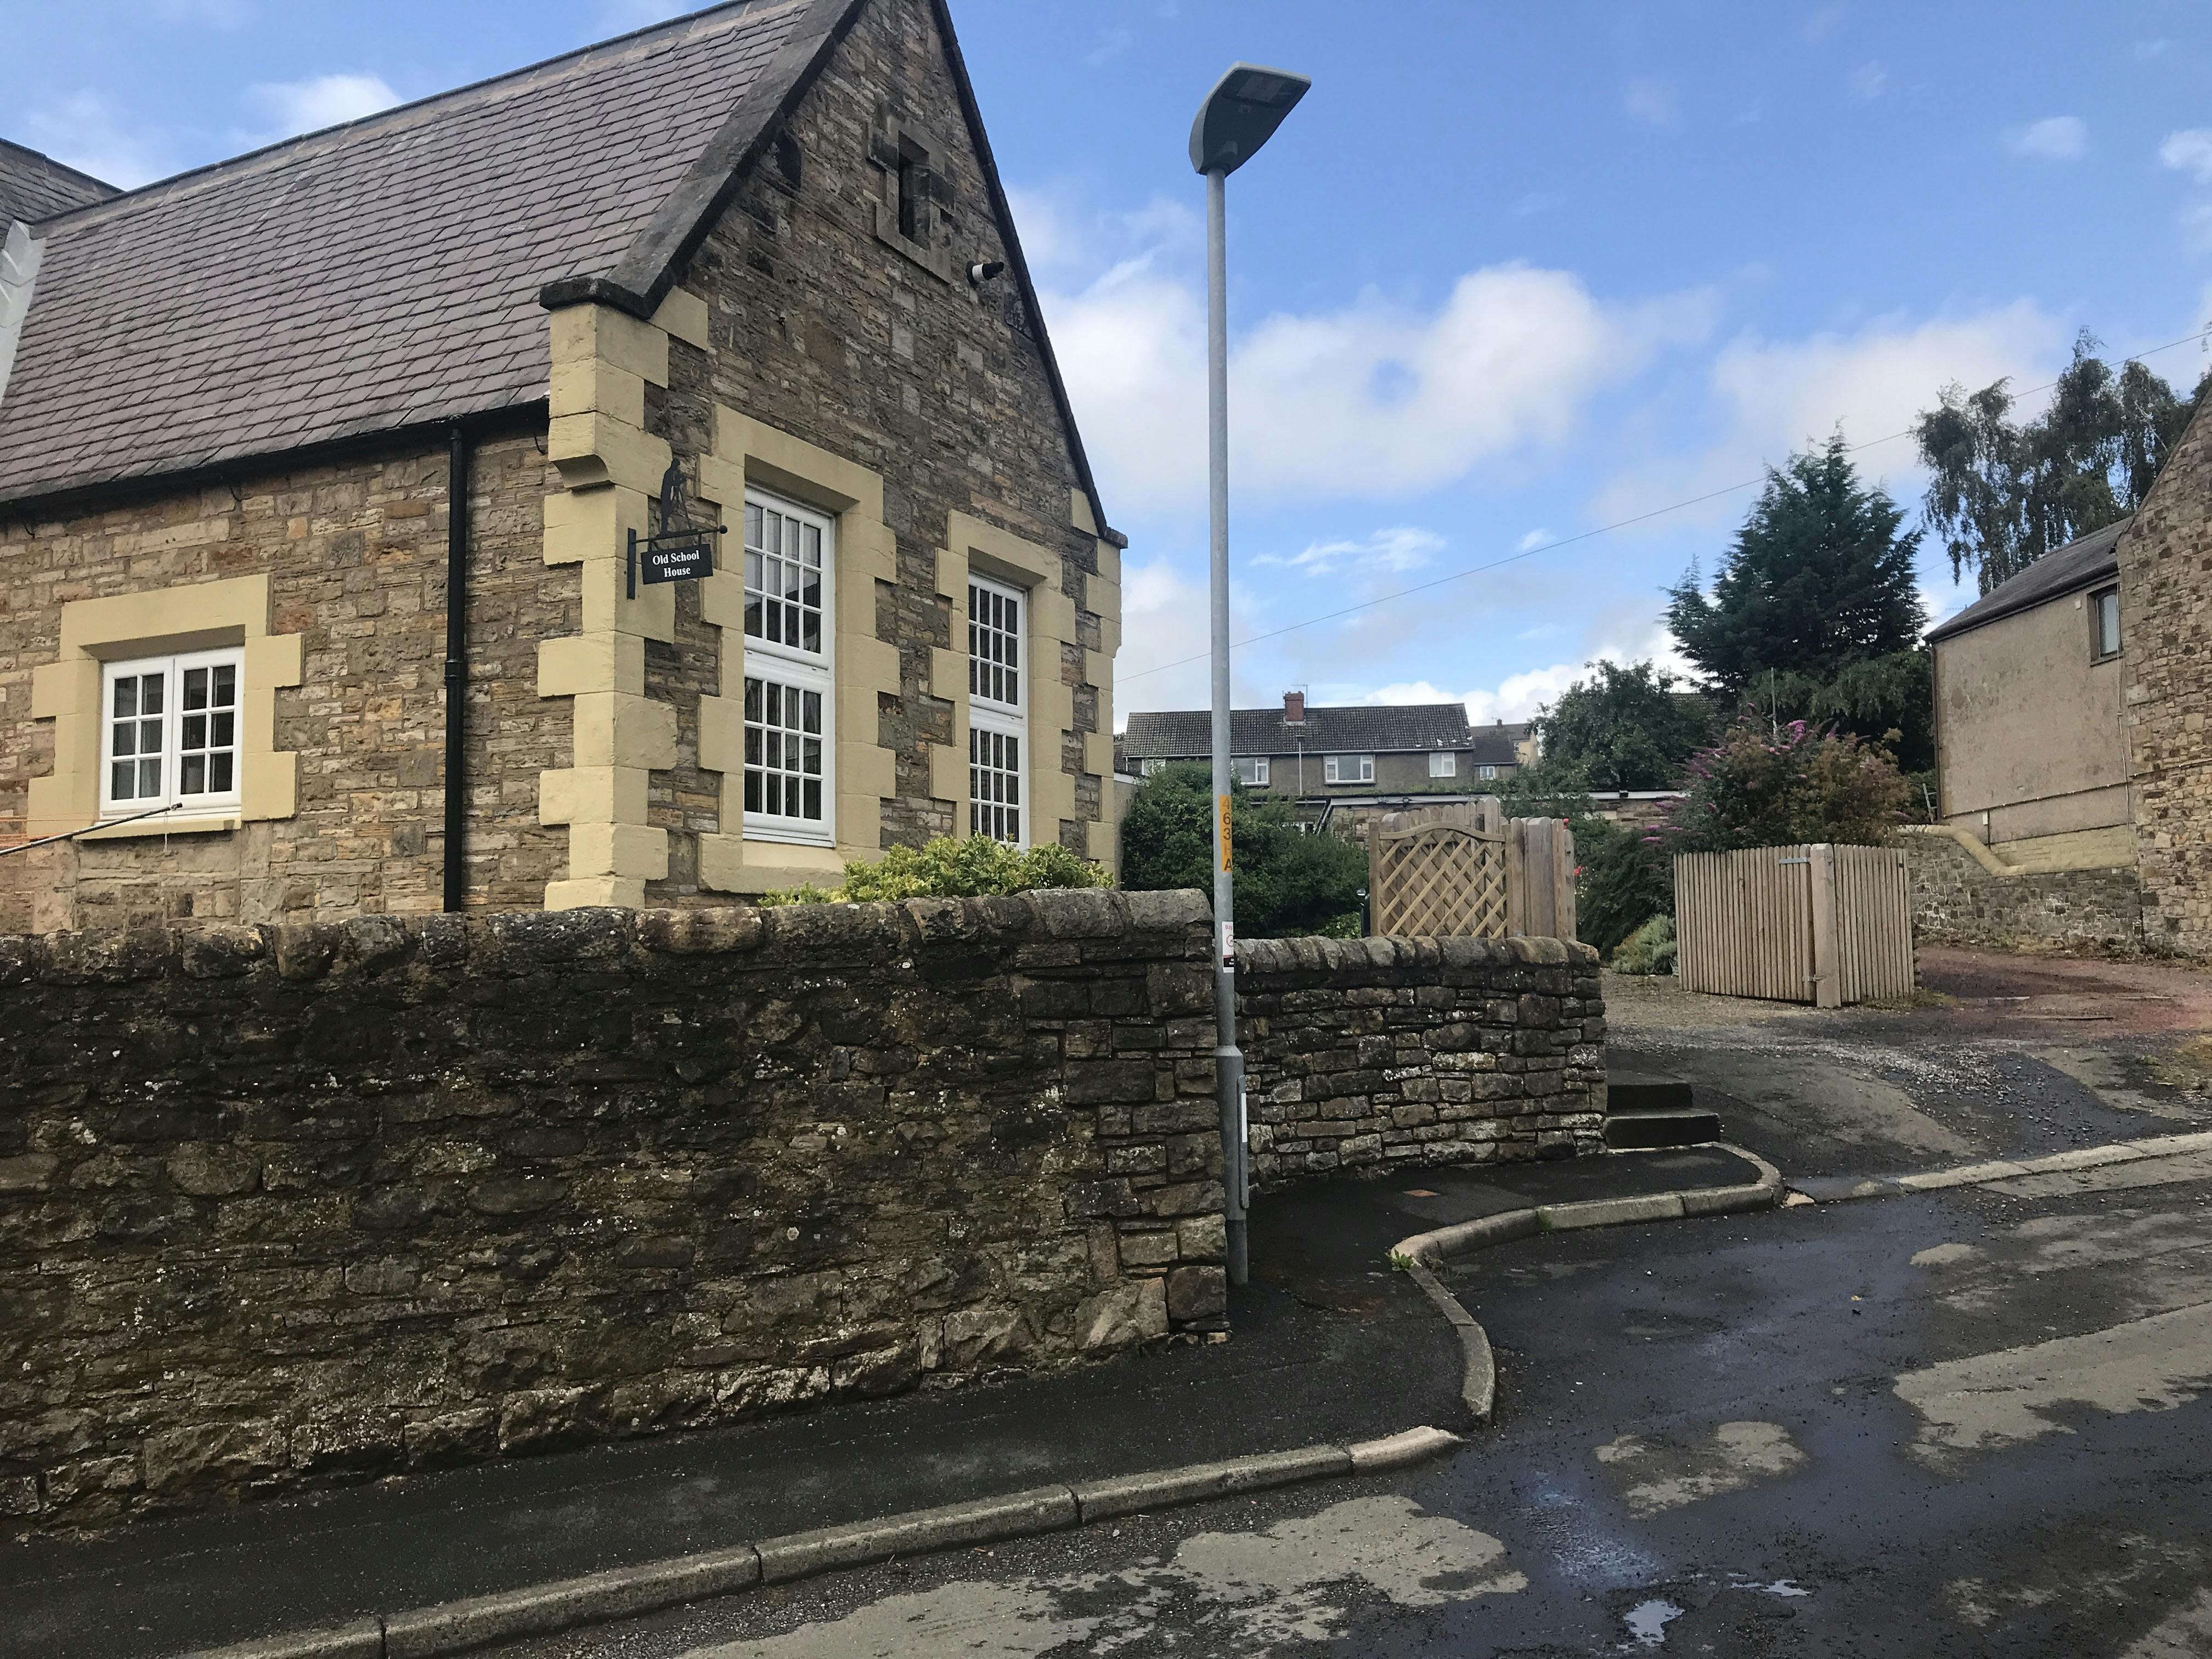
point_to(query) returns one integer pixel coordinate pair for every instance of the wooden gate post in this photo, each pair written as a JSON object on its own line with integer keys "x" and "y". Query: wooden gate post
{"x": 1828, "y": 968}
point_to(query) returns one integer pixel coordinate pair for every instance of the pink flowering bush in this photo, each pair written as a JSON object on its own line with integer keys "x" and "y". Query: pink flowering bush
{"x": 1760, "y": 788}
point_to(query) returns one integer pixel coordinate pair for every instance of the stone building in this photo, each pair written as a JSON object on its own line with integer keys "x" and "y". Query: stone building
{"x": 249, "y": 650}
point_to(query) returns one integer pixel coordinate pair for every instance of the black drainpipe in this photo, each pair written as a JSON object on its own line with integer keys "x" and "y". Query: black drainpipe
{"x": 457, "y": 665}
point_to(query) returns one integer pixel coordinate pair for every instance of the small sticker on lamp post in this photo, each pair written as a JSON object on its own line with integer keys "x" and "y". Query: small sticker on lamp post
{"x": 1224, "y": 832}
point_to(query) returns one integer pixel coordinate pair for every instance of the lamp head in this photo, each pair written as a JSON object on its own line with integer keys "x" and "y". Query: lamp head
{"x": 1241, "y": 113}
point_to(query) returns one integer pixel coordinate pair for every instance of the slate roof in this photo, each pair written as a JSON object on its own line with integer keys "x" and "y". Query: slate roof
{"x": 1364, "y": 729}
{"x": 376, "y": 275}
{"x": 2077, "y": 565}
{"x": 34, "y": 186}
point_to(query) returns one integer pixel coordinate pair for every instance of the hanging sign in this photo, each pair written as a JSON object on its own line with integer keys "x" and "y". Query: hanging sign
{"x": 679, "y": 551}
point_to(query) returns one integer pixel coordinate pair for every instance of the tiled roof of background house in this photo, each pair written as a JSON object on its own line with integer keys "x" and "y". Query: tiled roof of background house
{"x": 378, "y": 274}
{"x": 34, "y": 186}
{"x": 2077, "y": 564}
{"x": 1364, "y": 729}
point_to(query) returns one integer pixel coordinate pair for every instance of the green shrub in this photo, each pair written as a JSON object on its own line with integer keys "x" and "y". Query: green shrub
{"x": 970, "y": 867}
{"x": 1292, "y": 881}
{"x": 1649, "y": 950}
{"x": 1622, "y": 880}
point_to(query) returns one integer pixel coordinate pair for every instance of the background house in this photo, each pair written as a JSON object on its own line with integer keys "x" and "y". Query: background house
{"x": 320, "y": 559}
{"x": 1365, "y": 755}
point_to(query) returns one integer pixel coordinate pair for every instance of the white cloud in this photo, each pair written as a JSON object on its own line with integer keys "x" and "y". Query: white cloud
{"x": 1519, "y": 696}
{"x": 1774, "y": 397}
{"x": 2055, "y": 138}
{"x": 1393, "y": 551}
{"x": 2189, "y": 151}
{"x": 1868, "y": 81}
{"x": 1534, "y": 539}
{"x": 1376, "y": 398}
{"x": 83, "y": 131}
{"x": 1652, "y": 102}
{"x": 291, "y": 108}
{"x": 1112, "y": 43}
{"x": 1166, "y": 619}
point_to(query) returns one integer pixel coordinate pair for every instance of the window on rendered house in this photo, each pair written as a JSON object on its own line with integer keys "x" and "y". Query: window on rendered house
{"x": 1348, "y": 768}
{"x": 998, "y": 721}
{"x": 1251, "y": 770}
{"x": 790, "y": 725}
{"x": 1443, "y": 763}
{"x": 2105, "y": 611}
{"x": 169, "y": 733}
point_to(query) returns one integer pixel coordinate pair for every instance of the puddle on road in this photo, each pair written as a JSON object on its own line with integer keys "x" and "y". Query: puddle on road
{"x": 1657, "y": 1473}
{"x": 1253, "y": 1591}
{"x": 1647, "y": 1623}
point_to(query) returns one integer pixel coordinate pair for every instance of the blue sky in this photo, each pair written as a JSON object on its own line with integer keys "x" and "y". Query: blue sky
{"x": 1509, "y": 274}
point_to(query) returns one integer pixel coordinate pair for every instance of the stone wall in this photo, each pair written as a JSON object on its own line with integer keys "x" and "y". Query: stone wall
{"x": 2166, "y": 620}
{"x": 355, "y": 556}
{"x": 299, "y": 1204}
{"x": 1955, "y": 900}
{"x": 1368, "y": 1053}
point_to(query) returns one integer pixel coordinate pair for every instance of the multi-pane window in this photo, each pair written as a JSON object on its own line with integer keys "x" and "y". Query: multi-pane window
{"x": 1348, "y": 768}
{"x": 2105, "y": 608}
{"x": 1251, "y": 770}
{"x": 1485, "y": 773}
{"x": 169, "y": 733}
{"x": 1443, "y": 763}
{"x": 790, "y": 725}
{"x": 785, "y": 579}
{"x": 998, "y": 719}
{"x": 1150, "y": 764}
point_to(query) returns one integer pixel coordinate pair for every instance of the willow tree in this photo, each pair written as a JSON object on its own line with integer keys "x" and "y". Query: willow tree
{"x": 2001, "y": 493}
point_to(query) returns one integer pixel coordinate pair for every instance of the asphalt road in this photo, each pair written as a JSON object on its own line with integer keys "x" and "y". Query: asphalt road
{"x": 1965, "y": 1423}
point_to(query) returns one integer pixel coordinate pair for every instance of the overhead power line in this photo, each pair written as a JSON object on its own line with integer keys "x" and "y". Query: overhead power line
{"x": 1583, "y": 536}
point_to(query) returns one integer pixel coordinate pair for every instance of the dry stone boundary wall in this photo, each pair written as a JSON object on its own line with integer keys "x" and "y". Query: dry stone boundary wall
{"x": 1955, "y": 900}
{"x": 284, "y": 1207}
{"x": 290, "y": 1204}
{"x": 1366, "y": 1052}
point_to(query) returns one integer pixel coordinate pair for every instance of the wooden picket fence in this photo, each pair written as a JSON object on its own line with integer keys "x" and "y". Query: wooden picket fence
{"x": 1465, "y": 868}
{"x": 1827, "y": 925}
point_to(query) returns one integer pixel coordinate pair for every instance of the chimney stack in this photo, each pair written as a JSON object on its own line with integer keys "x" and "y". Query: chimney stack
{"x": 1294, "y": 709}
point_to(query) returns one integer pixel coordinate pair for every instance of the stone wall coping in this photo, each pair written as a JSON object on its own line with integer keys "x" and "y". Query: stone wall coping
{"x": 373, "y": 944}
{"x": 1337, "y": 957}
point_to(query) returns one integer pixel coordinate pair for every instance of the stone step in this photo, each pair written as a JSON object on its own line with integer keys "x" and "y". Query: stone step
{"x": 1635, "y": 1093}
{"x": 1640, "y": 1131}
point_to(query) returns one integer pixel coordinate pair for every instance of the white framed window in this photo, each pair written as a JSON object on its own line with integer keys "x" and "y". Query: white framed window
{"x": 2105, "y": 612}
{"x": 1485, "y": 773}
{"x": 998, "y": 717}
{"x": 1348, "y": 768}
{"x": 1251, "y": 770}
{"x": 1150, "y": 765}
{"x": 169, "y": 733}
{"x": 790, "y": 717}
{"x": 1443, "y": 763}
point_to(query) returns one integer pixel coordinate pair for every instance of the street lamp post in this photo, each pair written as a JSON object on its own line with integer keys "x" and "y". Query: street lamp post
{"x": 1239, "y": 115}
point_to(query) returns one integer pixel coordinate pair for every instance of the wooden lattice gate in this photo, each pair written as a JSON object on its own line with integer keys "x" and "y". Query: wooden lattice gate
{"x": 1466, "y": 868}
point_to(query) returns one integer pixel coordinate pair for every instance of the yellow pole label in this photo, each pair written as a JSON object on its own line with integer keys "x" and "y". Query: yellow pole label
{"x": 1224, "y": 837}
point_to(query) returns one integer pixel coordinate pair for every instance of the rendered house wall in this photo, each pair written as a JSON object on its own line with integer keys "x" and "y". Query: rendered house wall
{"x": 2030, "y": 740}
